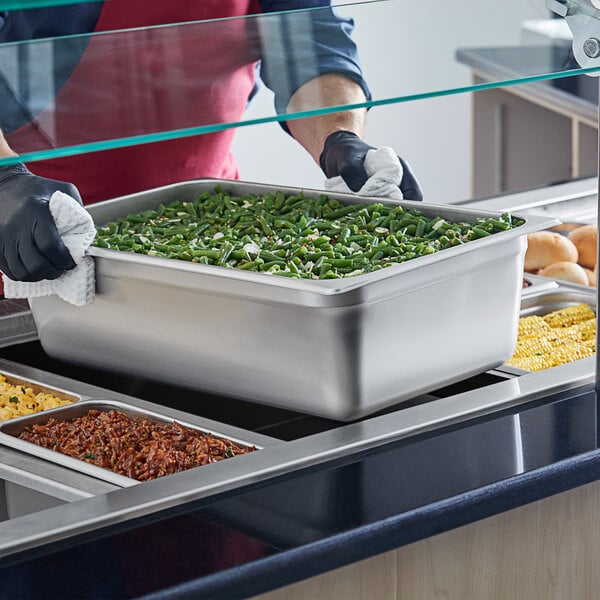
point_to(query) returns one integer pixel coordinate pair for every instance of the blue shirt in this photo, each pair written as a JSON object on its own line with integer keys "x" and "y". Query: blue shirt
{"x": 326, "y": 33}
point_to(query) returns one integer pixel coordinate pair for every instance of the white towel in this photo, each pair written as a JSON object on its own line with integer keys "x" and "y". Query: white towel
{"x": 384, "y": 170}
{"x": 77, "y": 230}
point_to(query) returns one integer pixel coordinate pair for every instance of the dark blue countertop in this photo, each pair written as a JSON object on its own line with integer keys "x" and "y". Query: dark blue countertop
{"x": 277, "y": 532}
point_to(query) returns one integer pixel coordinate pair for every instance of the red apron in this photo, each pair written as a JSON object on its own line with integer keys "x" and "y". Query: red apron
{"x": 146, "y": 81}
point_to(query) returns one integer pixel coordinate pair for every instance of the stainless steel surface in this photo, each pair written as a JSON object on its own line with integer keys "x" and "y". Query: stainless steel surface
{"x": 10, "y": 430}
{"x": 571, "y": 201}
{"x": 340, "y": 349}
{"x": 591, "y": 47}
{"x": 16, "y": 323}
{"x": 575, "y": 201}
{"x": 597, "y": 363}
{"x": 277, "y": 459}
{"x": 557, "y": 6}
{"x": 546, "y": 295}
{"x": 20, "y": 500}
{"x": 583, "y": 18}
{"x": 49, "y": 478}
{"x": 89, "y": 392}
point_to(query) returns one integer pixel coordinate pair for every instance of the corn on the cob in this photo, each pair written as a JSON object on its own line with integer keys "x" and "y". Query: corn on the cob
{"x": 532, "y": 325}
{"x": 532, "y": 346}
{"x": 571, "y": 352}
{"x": 571, "y": 315}
{"x": 559, "y": 337}
{"x": 531, "y": 363}
{"x": 586, "y": 331}
{"x": 591, "y": 344}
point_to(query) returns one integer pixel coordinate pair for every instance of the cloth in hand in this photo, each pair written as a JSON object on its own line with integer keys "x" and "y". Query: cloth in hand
{"x": 77, "y": 230}
{"x": 385, "y": 174}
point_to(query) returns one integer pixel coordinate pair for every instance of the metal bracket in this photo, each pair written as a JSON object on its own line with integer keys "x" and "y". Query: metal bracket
{"x": 583, "y": 19}
{"x": 558, "y": 6}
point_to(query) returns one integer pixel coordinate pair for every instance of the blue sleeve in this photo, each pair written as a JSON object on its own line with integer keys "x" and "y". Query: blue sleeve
{"x": 19, "y": 103}
{"x": 50, "y": 22}
{"x": 299, "y": 46}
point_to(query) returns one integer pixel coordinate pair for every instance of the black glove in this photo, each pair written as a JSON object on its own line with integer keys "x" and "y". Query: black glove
{"x": 344, "y": 154}
{"x": 30, "y": 245}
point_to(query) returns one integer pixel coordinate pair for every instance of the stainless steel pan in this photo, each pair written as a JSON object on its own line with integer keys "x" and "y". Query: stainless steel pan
{"x": 340, "y": 349}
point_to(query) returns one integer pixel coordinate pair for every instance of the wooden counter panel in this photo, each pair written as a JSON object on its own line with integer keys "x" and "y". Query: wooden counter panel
{"x": 547, "y": 550}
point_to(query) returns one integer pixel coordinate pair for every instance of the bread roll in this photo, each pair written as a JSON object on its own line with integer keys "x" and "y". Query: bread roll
{"x": 591, "y": 277}
{"x": 547, "y": 247}
{"x": 565, "y": 271}
{"x": 585, "y": 239}
{"x": 565, "y": 228}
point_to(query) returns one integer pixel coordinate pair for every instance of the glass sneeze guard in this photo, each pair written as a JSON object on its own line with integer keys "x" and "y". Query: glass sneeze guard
{"x": 29, "y": 4}
{"x": 70, "y": 95}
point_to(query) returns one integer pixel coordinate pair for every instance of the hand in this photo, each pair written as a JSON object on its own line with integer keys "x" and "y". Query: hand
{"x": 344, "y": 154}
{"x": 31, "y": 248}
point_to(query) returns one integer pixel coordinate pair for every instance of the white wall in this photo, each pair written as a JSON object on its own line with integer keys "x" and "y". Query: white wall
{"x": 406, "y": 46}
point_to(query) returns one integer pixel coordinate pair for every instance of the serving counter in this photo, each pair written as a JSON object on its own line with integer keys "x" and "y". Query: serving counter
{"x": 318, "y": 494}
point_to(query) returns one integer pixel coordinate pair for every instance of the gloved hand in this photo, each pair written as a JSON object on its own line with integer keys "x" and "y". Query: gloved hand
{"x": 344, "y": 154}
{"x": 31, "y": 248}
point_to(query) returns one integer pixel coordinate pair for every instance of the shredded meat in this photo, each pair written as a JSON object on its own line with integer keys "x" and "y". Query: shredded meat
{"x": 133, "y": 446}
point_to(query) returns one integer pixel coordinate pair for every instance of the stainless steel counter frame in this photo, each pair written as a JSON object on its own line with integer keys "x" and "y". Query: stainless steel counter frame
{"x": 94, "y": 504}
{"x": 572, "y": 201}
{"x": 47, "y": 478}
{"x": 278, "y": 458}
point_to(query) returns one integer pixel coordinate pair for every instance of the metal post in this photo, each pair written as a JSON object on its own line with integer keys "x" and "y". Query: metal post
{"x": 596, "y": 378}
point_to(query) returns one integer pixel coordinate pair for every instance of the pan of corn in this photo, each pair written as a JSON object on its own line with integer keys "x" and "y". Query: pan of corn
{"x": 20, "y": 397}
{"x": 557, "y": 326}
{"x": 325, "y": 324}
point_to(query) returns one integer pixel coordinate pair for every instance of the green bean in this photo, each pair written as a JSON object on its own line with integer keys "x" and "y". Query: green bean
{"x": 273, "y": 263}
{"x": 212, "y": 254}
{"x": 291, "y": 236}
{"x": 480, "y": 231}
{"x": 136, "y": 218}
{"x": 323, "y": 239}
{"x": 287, "y": 274}
{"x": 325, "y": 268}
{"x": 341, "y": 262}
{"x": 342, "y": 212}
{"x": 248, "y": 266}
{"x": 318, "y": 255}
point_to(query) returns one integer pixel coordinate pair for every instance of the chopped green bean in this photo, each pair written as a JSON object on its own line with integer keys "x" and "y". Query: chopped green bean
{"x": 291, "y": 236}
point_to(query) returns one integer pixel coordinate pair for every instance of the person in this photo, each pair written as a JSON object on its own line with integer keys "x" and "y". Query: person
{"x": 209, "y": 68}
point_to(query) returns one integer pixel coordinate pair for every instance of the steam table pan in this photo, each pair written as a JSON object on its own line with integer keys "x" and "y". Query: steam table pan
{"x": 340, "y": 349}
{"x": 546, "y": 295}
{"x": 38, "y": 387}
{"x": 10, "y": 431}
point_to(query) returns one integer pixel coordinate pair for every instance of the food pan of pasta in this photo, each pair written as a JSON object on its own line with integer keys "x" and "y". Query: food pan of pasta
{"x": 20, "y": 397}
